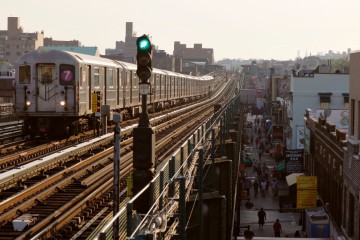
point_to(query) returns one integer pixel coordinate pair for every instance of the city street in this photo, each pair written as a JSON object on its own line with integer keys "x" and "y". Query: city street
{"x": 270, "y": 204}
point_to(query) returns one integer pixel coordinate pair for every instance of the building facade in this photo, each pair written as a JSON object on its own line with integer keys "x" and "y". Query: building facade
{"x": 50, "y": 42}
{"x": 118, "y": 50}
{"x": 197, "y": 53}
{"x": 130, "y": 49}
{"x": 323, "y": 157}
{"x": 318, "y": 92}
{"x": 16, "y": 42}
{"x": 351, "y": 205}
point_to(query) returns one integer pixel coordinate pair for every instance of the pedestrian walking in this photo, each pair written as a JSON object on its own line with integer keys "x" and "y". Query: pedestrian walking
{"x": 275, "y": 174}
{"x": 254, "y": 162}
{"x": 267, "y": 185}
{"x": 247, "y": 186}
{"x": 277, "y": 228}
{"x": 262, "y": 218}
{"x": 256, "y": 188}
{"x": 258, "y": 169}
{"x": 263, "y": 187}
{"x": 275, "y": 188}
{"x": 263, "y": 169}
{"x": 260, "y": 154}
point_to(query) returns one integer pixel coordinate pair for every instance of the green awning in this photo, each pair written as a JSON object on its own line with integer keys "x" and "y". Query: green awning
{"x": 281, "y": 166}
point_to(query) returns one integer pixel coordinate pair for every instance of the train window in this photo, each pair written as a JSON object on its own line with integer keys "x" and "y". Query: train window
{"x": 96, "y": 77}
{"x": 83, "y": 78}
{"x": 67, "y": 74}
{"x": 46, "y": 73}
{"x": 135, "y": 81}
{"x": 24, "y": 74}
{"x": 110, "y": 78}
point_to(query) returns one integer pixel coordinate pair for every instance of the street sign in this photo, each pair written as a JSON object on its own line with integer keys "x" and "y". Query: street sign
{"x": 144, "y": 88}
{"x": 93, "y": 101}
{"x": 306, "y": 191}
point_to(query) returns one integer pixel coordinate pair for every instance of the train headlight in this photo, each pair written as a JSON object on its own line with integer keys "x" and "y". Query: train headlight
{"x": 28, "y": 103}
{"x": 62, "y": 103}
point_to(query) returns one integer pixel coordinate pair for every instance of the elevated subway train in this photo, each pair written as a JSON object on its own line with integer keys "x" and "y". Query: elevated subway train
{"x": 54, "y": 90}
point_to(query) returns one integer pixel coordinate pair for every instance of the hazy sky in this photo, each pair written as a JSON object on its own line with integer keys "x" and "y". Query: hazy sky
{"x": 275, "y": 29}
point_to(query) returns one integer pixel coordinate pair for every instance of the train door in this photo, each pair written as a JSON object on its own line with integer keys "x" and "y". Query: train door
{"x": 105, "y": 86}
{"x": 153, "y": 85}
{"x": 160, "y": 86}
{"x": 46, "y": 88}
{"x": 166, "y": 87}
{"x": 131, "y": 86}
{"x": 88, "y": 72}
{"x": 185, "y": 86}
{"x": 170, "y": 86}
{"x": 118, "y": 87}
{"x": 157, "y": 87}
{"x": 83, "y": 91}
{"x": 123, "y": 85}
{"x": 191, "y": 87}
{"x": 181, "y": 87}
{"x": 126, "y": 88}
{"x": 173, "y": 86}
{"x": 176, "y": 87}
{"x": 135, "y": 89}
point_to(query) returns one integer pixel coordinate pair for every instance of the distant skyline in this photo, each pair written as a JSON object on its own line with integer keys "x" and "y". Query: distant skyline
{"x": 275, "y": 29}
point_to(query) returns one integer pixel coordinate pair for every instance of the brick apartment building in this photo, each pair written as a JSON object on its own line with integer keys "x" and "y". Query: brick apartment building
{"x": 14, "y": 42}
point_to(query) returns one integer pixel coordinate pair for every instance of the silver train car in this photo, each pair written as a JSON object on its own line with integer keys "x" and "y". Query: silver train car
{"x": 54, "y": 90}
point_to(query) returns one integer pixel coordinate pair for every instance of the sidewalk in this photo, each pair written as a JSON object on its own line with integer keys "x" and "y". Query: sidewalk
{"x": 270, "y": 204}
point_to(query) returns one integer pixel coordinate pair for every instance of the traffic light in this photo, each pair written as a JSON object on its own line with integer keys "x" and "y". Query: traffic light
{"x": 98, "y": 101}
{"x": 143, "y": 58}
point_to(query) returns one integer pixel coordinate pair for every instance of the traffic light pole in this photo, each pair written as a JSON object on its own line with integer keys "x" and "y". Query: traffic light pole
{"x": 144, "y": 117}
{"x": 143, "y": 135}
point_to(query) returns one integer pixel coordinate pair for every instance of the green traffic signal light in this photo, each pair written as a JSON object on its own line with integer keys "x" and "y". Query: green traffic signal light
{"x": 144, "y": 44}
{"x": 143, "y": 57}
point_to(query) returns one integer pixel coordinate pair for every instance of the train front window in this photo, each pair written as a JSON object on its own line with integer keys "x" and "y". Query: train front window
{"x": 46, "y": 74}
{"x": 67, "y": 74}
{"x": 24, "y": 74}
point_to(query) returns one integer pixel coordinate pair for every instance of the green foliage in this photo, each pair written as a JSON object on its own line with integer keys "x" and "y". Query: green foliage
{"x": 340, "y": 64}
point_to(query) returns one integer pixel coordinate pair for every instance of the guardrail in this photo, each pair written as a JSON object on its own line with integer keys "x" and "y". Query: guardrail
{"x": 171, "y": 186}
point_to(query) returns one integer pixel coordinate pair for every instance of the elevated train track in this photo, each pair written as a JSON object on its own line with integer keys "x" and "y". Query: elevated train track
{"x": 69, "y": 186}
{"x": 16, "y": 154}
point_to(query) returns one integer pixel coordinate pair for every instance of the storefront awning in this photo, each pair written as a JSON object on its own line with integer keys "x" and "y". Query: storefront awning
{"x": 291, "y": 178}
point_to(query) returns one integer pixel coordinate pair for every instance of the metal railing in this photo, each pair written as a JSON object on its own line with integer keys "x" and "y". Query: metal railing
{"x": 168, "y": 186}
